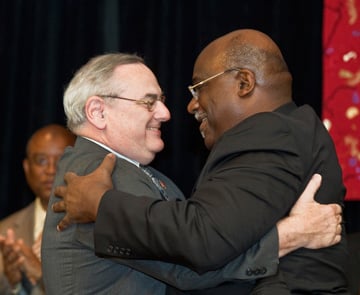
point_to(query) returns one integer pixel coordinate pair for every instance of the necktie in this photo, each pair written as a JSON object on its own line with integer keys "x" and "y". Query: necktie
{"x": 159, "y": 184}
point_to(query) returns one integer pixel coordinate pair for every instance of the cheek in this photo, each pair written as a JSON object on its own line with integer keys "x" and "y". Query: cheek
{"x": 133, "y": 133}
{"x": 123, "y": 126}
{"x": 35, "y": 172}
{"x": 34, "y": 177}
{"x": 218, "y": 122}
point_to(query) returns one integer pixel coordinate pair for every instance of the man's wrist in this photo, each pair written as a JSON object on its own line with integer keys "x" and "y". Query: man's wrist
{"x": 288, "y": 236}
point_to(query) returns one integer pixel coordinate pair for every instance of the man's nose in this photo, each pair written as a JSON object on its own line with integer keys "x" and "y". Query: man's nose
{"x": 51, "y": 167}
{"x": 162, "y": 113}
{"x": 193, "y": 105}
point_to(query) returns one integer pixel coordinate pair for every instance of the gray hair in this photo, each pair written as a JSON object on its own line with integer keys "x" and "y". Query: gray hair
{"x": 92, "y": 78}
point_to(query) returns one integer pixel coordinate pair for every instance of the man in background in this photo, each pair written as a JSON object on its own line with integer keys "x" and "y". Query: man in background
{"x": 21, "y": 232}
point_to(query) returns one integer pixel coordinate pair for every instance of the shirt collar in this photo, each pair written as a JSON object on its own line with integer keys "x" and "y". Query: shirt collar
{"x": 112, "y": 151}
{"x": 39, "y": 218}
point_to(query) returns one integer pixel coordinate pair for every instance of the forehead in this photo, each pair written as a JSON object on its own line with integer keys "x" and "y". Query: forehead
{"x": 135, "y": 78}
{"x": 210, "y": 60}
{"x": 47, "y": 143}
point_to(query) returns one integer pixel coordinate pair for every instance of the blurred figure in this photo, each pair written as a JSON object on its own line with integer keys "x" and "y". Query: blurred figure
{"x": 21, "y": 232}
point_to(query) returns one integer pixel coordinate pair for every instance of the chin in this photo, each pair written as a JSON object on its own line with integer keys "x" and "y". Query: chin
{"x": 158, "y": 147}
{"x": 208, "y": 143}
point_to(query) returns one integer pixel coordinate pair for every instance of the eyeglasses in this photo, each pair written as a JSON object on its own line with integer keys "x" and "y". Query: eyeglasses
{"x": 149, "y": 100}
{"x": 195, "y": 93}
{"x": 42, "y": 160}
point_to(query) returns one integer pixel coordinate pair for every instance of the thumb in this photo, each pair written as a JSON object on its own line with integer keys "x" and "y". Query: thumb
{"x": 108, "y": 164}
{"x": 69, "y": 176}
{"x": 311, "y": 188}
{"x": 308, "y": 194}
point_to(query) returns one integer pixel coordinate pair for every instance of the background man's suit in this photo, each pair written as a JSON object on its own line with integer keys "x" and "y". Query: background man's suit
{"x": 22, "y": 222}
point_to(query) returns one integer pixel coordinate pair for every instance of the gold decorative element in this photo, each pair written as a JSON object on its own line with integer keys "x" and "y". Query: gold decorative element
{"x": 352, "y": 11}
{"x": 352, "y": 112}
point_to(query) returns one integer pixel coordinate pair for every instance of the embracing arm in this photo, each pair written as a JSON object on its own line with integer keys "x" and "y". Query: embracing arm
{"x": 81, "y": 205}
{"x": 166, "y": 244}
{"x": 258, "y": 262}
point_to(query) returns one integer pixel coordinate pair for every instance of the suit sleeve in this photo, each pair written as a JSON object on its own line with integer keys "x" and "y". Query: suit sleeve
{"x": 260, "y": 261}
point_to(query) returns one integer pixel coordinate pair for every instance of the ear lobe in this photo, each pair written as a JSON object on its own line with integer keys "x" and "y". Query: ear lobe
{"x": 94, "y": 111}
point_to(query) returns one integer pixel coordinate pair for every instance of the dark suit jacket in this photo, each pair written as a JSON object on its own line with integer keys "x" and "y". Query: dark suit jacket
{"x": 354, "y": 263}
{"x": 252, "y": 177}
{"x": 69, "y": 262}
{"x": 22, "y": 222}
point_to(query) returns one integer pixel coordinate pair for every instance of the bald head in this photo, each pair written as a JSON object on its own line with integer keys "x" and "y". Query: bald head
{"x": 237, "y": 76}
{"x": 50, "y": 133}
{"x": 253, "y": 50}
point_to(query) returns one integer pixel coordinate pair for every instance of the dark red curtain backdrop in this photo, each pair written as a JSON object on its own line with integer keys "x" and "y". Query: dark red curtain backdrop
{"x": 42, "y": 43}
{"x": 341, "y": 86}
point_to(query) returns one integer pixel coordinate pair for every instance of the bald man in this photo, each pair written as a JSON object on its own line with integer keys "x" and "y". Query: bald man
{"x": 20, "y": 233}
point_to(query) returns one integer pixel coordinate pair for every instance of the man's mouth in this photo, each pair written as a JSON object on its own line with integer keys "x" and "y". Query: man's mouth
{"x": 202, "y": 118}
{"x": 153, "y": 128}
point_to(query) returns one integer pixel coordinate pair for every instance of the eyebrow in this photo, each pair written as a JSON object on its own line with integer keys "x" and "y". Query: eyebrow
{"x": 153, "y": 95}
{"x": 196, "y": 79}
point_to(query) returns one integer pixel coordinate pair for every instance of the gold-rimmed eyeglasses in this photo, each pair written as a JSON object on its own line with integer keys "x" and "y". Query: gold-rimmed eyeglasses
{"x": 149, "y": 100}
{"x": 194, "y": 88}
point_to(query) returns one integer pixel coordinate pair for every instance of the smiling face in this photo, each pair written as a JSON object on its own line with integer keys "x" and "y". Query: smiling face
{"x": 215, "y": 109}
{"x": 131, "y": 129}
{"x": 236, "y": 76}
{"x": 218, "y": 106}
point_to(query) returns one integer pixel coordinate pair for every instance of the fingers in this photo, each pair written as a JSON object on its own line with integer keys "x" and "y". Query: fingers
{"x": 337, "y": 235}
{"x": 332, "y": 234}
{"x": 80, "y": 202}
{"x": 336, "y": 213}
{"x": 59, "y": 207}
{"x": 63, "y": 224}
{"x": 337, "y": 208}
{"x": 11, "y": 253}
{"x": 10, "y": 235}
{"x": 60, "y": 191}
{"x": 339, "y": 229}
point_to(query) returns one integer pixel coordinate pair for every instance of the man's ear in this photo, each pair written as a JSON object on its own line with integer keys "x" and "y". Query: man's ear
{"x": 247, "y": 82}
{"x": 26, "y": 166}
{"x": 94, "y": 111}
